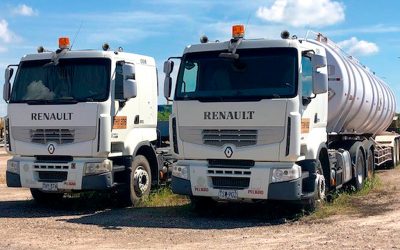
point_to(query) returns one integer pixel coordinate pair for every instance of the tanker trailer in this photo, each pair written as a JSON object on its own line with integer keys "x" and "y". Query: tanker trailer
{"x": 289, "y": 119}
{"x": 360, "y": 105}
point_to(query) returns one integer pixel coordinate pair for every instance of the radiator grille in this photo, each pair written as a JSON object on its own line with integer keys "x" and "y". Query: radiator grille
{"x": 60, "y": 136}
{"x": 220, "y": 137}
{"x": 52, "y": 176}
{"x": 230, "y": 163}
{"x": 230, "y": 182}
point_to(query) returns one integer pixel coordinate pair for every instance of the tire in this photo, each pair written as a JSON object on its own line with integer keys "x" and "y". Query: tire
{"x": 359, "y": 175}
{"x": 370, "y": 164}
{"x": 45, "y": 198}
{"x": 311, "y": 204}
{"x": 140, "y": 179}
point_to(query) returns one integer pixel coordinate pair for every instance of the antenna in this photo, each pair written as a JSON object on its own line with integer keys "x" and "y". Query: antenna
{"x": 248, "y": 19}
{"x": 76, "y": 34}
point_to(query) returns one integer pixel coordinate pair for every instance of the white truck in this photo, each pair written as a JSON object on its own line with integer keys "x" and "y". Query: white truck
{"x": 288, "y": 120}
{"x": 83, "y": 120}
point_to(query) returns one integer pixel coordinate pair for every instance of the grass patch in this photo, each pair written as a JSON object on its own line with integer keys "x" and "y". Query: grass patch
{"x": 347, "y": 201}
{"x": 163, "y": 197}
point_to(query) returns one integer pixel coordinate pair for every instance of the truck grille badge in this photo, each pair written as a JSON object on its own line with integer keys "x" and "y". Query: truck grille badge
{"x": 228, "y": 152}
{"x": 51, "y": 148}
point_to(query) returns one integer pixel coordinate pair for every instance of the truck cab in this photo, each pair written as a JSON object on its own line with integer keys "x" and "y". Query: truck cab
{"x": 82, "y": 120}
{"x": 249, "y": 119}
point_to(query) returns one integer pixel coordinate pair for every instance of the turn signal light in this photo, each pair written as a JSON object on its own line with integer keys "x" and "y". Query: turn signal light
{"x": 63, "y": 42}
{"x": 238, "y": 31}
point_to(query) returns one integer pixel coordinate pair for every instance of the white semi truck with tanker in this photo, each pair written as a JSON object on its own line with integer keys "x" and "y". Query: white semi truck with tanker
{"x": 288, "y": 120}
{"x": 83, "y": 120}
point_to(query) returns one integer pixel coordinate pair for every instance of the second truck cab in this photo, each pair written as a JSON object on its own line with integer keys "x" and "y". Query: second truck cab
{"x": 82, "y": 120}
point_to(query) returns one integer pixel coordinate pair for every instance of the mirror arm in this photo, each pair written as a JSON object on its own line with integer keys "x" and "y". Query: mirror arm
{"x": 174, "y": 57}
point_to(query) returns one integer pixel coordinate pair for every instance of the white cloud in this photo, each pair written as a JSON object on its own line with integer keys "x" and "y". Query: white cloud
{"x": 6, "y": 36}
{"x": 353, "y": 46}
{"x": 303, "y": 13}
{"x": 24, "y": 10}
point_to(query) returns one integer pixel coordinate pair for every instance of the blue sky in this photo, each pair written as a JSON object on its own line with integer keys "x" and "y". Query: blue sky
{"x": 368, "y": 29}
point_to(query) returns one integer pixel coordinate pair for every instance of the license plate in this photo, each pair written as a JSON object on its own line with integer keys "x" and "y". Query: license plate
{"x": 228, "y": 194}
{"x": 50, "y": 186}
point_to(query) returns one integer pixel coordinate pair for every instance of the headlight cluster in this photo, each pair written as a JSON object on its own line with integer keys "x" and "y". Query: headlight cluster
{"x": 286, "y": 174}
{"x": 181, "y": 172}
{"x": 92, "y": 168}
{"x": 13, "y": 166}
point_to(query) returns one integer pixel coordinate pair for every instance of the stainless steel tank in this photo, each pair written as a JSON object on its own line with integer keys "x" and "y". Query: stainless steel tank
{"x": 359, "y": 101}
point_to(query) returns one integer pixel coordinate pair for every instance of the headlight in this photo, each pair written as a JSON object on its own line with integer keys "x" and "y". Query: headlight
{"x": 98, "y": 167}
{"x": 286, "y": 174}
{"x": 13, "y": 166}
{"x": 181, "y": 172}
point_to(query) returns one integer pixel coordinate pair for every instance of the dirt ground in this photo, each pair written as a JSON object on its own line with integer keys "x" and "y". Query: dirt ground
{"x": 77, "y": 224}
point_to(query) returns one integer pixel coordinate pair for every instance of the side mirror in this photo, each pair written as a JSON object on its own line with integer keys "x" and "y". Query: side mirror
{"x": 318, "y": 61}
{"x": 130, "y": 84}
{"x": 168, "y": 68}
{"x": 130, "y": 89}
{"x": 167, "y": 87}
{"x": 128, "y": 70}
{"x": 320, "y": 83}
{"x": 7, "y": 85}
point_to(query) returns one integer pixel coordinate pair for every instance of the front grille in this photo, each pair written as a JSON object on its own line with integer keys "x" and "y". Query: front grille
{"x": 230, "y": 182}
{"x": 53, "y": 158}
{"x": 221, "y": 163}
{"x": 220, "y": 137}
{"x": 60, "y": 136}
{"x": 52, "y": 176}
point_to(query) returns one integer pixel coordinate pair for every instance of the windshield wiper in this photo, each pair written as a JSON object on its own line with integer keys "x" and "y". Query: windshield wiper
{"x": 33, "y": 102}
{"x": 56, "y": 101}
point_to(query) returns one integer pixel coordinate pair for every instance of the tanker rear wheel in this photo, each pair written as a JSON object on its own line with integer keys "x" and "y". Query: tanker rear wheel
{"x": 359, "y": 175}
{"x": 370, "y": 164}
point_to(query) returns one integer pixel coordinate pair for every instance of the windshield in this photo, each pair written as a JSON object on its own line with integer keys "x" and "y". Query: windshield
{"x": 71, "y": 80}
{"x": 257, "y": 74}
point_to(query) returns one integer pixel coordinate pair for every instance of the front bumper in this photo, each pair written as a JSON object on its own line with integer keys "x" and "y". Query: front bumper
{"x": 61, "y": 176}
{"x": 260, "y": 185}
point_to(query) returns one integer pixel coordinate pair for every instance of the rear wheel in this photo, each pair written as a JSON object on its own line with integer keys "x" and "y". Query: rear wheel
{"x": 370, "y": 163}
{"x": 359, "y": 175}
{"x": 45, "y": 198}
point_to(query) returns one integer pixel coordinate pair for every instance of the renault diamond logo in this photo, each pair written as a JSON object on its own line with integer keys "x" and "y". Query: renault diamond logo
{"x": 228, "y": 152}
{"x": 51, "y": 148}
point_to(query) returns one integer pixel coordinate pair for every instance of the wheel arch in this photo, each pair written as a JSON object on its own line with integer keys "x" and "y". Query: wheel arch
{"x": 147, "y": 150}
{"x": 323, "y": 157}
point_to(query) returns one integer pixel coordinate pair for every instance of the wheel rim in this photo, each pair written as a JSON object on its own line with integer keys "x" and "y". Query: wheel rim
{"x": 321, "y": 186}
{"x": 141, "y": 181}
{"x": 360, "y": 175}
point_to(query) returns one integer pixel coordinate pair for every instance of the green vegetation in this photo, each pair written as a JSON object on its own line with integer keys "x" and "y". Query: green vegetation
{"x": 163, "y": 112}
{"x": 163, "y": 115}
{"x": 347, "y": 201}
{"x": 163, "y": 197}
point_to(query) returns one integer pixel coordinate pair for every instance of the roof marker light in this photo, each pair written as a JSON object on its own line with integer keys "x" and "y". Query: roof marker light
{"x": 238, "y": 31}
{"x": 63, "y": 43}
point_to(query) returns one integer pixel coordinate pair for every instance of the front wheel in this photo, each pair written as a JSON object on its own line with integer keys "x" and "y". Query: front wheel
{"x": 140, "y": 179}
{"x": 45, "y": 198}
{"x": 319, "y": 191}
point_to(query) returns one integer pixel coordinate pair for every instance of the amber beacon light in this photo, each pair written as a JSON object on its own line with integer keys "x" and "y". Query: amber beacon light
{"x": 238, "y": 31}
{"x": 63, "y": 43}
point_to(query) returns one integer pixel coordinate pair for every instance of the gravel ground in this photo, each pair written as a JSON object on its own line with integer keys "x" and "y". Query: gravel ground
{"x": 81, "y": 224}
